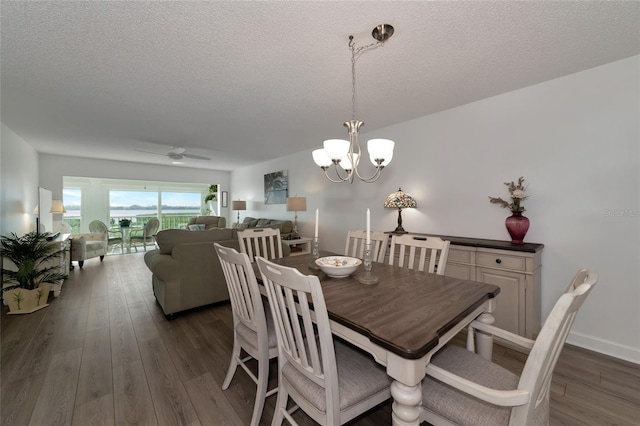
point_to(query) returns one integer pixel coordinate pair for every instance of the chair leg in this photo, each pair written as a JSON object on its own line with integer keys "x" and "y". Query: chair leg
{"x": 281, "y": 405}
{"x": 233, "y": 364}
{"x": 261, "y": 391}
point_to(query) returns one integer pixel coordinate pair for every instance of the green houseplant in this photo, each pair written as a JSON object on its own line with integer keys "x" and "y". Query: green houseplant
{"x": 212, "y": 195}
{"x": 29, "y": 279}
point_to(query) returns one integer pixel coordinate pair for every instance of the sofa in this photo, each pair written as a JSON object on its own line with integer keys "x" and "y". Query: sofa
{"x": 88, "y": 245}
{"x": 201, "y": 223}
{"x": 186, "y": 271}
{"x": 285, "y": 226}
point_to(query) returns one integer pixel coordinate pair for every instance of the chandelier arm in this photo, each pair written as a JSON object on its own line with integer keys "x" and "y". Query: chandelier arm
{"x": 337, "y": 172}
{"x": 326, "y": 174}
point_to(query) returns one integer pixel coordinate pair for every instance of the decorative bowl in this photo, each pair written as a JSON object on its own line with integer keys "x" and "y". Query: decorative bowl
{"x": 338, "y": 266}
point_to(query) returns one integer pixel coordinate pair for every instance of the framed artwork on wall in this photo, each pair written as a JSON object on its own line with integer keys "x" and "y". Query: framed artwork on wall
{"x": 276, "y": 187}
{"x": 225, "y": 199}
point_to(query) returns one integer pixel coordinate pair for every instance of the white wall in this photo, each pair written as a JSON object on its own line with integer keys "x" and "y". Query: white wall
{"x": 575, "y": 139}
{"x": 18, "y": 183}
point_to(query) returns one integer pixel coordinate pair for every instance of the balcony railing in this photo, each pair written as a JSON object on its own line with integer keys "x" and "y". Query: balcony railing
{"x": 169, "y": 220}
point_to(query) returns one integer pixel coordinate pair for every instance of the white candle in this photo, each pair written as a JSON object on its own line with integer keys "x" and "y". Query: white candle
{"x": 368, "y": 227}
{"x": 316, "y": 234}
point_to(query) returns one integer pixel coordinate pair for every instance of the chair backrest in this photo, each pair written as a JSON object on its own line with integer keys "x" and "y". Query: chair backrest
{"x": 538, "y": 369}
{"x": 356, "y": 240}
{"x": 246, "y": 301}
{"x": 311, "y": 353}
{"x": 418, "y": 247}
{"x": 98, "y": 226}
{"x": 151, "y": 227}
{"x": 265, "y": 242}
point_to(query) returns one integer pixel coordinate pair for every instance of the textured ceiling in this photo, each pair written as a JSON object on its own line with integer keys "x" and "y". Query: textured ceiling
{"x": 244, "y": 82}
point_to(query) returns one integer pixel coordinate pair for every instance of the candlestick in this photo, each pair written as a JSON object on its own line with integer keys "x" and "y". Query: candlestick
{"x": 367, "y": 276}
{"x": 315, "y": 250}
{"x": 368, "y": 227}
{"x": 316, "y": 234}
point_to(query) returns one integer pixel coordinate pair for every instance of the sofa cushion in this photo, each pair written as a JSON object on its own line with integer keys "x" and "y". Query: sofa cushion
{"x": 250, "y": 221}
{"x": 168, "y": 238}
{"x": 209, "y": 222}
{"x": 263, "y": 223}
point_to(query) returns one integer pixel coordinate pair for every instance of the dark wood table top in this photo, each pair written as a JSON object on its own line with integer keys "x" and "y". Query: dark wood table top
{"x": 406, "y": 312}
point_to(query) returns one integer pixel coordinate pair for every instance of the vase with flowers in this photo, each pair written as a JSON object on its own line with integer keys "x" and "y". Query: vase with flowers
{"x": 517, "y": 224}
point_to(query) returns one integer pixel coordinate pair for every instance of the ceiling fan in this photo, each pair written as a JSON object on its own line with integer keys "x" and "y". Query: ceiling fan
{"x": 178, "y": 153}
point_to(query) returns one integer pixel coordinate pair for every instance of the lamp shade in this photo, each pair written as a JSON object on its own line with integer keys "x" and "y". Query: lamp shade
{"x": 57, "y": 207}
{"x": 321, "y": 158}
{"x": 239, "y": 205}
{"x": 400, "y": 200}
{"x": 296, "y": 204}
{"x": 336, "y": 148}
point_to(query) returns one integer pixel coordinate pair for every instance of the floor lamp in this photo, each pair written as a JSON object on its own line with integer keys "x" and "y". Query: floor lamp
{"x": 239, "y": 205}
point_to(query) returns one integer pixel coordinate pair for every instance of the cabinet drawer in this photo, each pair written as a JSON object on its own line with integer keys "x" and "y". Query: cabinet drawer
{"x": 501, "y": 261}
{"x": 461, "y": 256}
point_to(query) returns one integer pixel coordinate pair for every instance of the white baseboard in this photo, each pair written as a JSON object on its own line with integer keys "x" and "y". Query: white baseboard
{"x": 606, "y": 347}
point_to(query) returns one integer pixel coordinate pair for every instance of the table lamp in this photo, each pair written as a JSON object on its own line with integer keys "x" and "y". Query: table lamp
{"x": 400, "y": 200}
{"x": 239, "y": 205}
{"x": 57, "y": 207}
{"x": 296, "y": 204}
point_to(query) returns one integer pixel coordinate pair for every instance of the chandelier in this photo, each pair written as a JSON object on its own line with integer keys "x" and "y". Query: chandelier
{"x": 345, "y": 155}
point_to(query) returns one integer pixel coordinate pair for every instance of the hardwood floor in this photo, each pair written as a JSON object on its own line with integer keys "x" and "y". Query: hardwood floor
{"x": 104, "y": 354}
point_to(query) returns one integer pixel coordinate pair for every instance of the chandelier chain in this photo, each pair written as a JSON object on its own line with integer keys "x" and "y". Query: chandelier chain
{"x": 354, "y": 51}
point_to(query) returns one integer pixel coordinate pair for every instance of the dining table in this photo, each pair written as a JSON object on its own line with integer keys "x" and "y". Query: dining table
{"x": 402, "y": 321}
{"x": 125, "y": 231}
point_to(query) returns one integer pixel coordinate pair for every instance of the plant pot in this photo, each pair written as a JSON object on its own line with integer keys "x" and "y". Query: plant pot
{"x": 23, "y": 301}
{"x": 517, "y": 226}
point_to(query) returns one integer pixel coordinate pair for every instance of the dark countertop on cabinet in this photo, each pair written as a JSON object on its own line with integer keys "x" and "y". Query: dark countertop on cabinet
{"x": 491, "y": 244}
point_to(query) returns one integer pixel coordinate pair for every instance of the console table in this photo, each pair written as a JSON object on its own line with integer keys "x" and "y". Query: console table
{"x": 515, "y": 268}
{"x": 299, "y": 246}
{"x": 63, "y": 242}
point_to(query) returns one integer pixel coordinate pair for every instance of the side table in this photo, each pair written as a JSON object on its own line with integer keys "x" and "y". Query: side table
{"x": 299, "y": 246}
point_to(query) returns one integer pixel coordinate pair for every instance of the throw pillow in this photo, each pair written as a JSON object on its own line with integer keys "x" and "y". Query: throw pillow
{"x": 197, "y": 227}
{"x": 241, "y": 226}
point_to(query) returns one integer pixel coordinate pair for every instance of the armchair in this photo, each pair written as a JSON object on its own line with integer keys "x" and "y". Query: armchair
{"x": 463, "y": 388}
{"x": 87, "y": 246}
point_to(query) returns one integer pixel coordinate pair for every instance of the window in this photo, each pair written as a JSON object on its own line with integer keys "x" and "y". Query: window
{"x": 110, "y": 200}
{"x": 72, "y": 202}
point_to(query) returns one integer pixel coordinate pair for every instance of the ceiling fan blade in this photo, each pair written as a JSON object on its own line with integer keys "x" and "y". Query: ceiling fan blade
{"x": 149, "y": 152}
{"x": 196, "y": 157}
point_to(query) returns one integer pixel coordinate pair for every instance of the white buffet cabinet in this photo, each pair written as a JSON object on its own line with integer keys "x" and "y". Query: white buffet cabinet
{"x": 515, "y": 268}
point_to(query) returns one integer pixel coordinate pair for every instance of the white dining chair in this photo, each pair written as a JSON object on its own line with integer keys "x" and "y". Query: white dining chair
{"x": 265, "y": 242}
{"x": 331, "y": 381}
{"x": 356, "y": 240}
{"x": 253, "y": 329}
{"x": 462, "y": 388}
{"x": 411, "y": 248}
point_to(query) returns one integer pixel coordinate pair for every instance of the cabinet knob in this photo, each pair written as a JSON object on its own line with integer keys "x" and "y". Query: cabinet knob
{"x": 498, "y": 261}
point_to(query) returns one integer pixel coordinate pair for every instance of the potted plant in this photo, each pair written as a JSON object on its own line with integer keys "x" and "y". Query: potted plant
{"x": 124, "y": 222}
{"x": 211, "y": 197}
{"x": 30, "y": 279}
